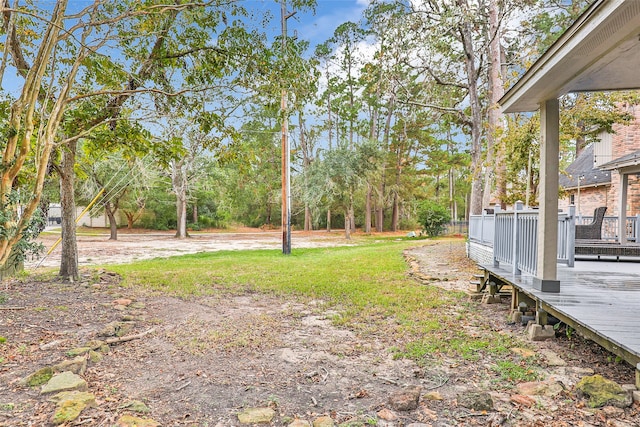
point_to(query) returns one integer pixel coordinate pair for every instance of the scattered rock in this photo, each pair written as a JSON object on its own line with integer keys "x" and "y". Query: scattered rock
{"x": 65, "y": 381}
{"x": 541, "y": 388}
{"x": 256, "y": 415}
{"x": 478, "y": 401}
{"x": 406, "y": 400}
{"x": 552, "y": 358}
{"x": 387, "y": 415}
{"x": 300, "y": 423}
{"x": 78, "y": 351}
{"x": 131, "y": 421}
{"x": 123, "y": 301}
{"x": 50, "y": 345}
{"x": 522, "y": 400}
{"x": 417, "y": 425}
{"x": 37, "y": 378}
{"x": 116, "y": 329}
{"x": 138, "y": 305}
{"x": 70, "y": 404}
{"x": 77, "y": 365}
{"x": 636, "y": 396}
{"x": 95, "y": 356}
{"x": 136, "y": 406}
{"x": 433, "y": 395}
{"x": 601, "y": 391}
{"x": 323, "y": 422}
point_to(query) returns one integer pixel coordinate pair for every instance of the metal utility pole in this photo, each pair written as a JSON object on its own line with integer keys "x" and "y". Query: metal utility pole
{"x": 286, "y": 149}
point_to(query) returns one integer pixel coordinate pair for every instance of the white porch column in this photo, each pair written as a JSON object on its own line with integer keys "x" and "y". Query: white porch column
{"x": 546, "y": 277}
{"x": 622, "y": 208}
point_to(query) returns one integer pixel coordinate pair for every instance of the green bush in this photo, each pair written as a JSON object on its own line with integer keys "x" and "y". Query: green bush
{"x": 433, "y": 218}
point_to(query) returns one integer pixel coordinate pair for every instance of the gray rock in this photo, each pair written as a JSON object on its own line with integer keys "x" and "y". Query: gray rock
{"x": 65, "y": 381}
{"x": 116, "y": 329}
{"x": 136, "y": 406}
{"x": 549, "y": 388}
{"x": 406, "y": 400}
{"x": 323, "y": 422}
{"x": 77, "y": 365}
{"x": 70, "y": 404}
{"x": 37, "y": 378}
{"x": 600, "y": 392}
{"x": 478, "y": 401}
{"x": 552, "y": 358}
{"x": 256, "y": 416}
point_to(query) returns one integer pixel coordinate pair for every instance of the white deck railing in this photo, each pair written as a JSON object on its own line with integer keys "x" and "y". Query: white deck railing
{"x": 482, "y": 228}
{"x": 610, "y": 227}
{"x": 515, "y": 237}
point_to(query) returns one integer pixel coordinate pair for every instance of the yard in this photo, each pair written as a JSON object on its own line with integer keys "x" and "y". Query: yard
{"x": 334, "y": 333}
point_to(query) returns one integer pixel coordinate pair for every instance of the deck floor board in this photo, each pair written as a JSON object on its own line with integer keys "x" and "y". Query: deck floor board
{"x": 603, "y": 297}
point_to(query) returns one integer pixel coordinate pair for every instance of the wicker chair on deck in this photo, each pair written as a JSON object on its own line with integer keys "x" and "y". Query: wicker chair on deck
{"x": 592, "y": 231}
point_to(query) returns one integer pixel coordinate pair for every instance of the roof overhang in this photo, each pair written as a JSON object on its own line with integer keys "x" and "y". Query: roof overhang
{"x": 599, "y": 52}
{"x": 626, "y": 164}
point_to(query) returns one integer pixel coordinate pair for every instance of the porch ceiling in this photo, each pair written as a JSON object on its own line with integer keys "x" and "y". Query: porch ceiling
{"x": 599, "y": 52}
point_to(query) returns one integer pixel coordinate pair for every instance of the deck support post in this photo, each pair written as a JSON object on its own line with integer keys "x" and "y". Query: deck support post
{"x": 546, "y": 276}
{"x": 622, "y": 208}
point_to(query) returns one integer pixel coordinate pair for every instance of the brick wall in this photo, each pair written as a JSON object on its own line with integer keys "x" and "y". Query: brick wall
{"x": 593, "y": 197}
{"x": 625, "y": 140}
{"x": 481, "y": 254}
{"x": 590, "y": 198}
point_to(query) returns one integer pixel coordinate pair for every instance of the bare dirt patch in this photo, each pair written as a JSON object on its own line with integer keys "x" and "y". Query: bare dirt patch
{"x": 209, "y": 358}
{"x": 134, "y": 245}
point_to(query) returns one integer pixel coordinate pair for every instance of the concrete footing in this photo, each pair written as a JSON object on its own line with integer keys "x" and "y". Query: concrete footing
{"x": 491, "y": 299}
{"x": 537, "y": 332}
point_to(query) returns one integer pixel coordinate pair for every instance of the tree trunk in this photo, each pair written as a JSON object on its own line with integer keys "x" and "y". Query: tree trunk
{"x": 13, "y": 266}
{"x": 367, "y": 211}
{"x": 181, "y": 207}
{"x": 179, "y": 183}
{"x": 494, "y": 150}
{"x": 69, "y": 256}
{"x": 395, "y": 215}
{"x": 130, "y": 219}
{"x": 110, "y": 210}
{"x": 476, "y": 113}
{"x": 268, "y": 218}
{"x": 308, "y": 220}
{"x": 347, "y": 223}
{"x": 195, "y": 212}
{"x": 328, "y": 220}
{"x": 383, "y": 178}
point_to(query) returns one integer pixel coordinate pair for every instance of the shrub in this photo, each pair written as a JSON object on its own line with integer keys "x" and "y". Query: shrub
{"x": 433, "y": 218}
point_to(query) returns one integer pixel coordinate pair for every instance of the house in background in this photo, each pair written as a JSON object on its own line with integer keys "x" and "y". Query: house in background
{"x": 588, "y": 182}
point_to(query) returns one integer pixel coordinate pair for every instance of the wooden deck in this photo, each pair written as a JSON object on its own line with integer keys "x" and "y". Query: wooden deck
{"x": 600, "y": 300}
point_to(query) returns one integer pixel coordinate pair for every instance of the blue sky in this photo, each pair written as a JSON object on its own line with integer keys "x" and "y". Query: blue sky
{"x": 329, "y": 15}
{"x": 317, "y": 27}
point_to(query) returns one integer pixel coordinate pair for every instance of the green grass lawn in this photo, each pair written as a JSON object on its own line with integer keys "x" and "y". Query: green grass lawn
{"x": 368, "y": 285}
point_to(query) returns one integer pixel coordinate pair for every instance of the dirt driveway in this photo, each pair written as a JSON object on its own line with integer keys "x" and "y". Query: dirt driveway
{"x": 97, "y": 249}
{"x": 202, "y": 362}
